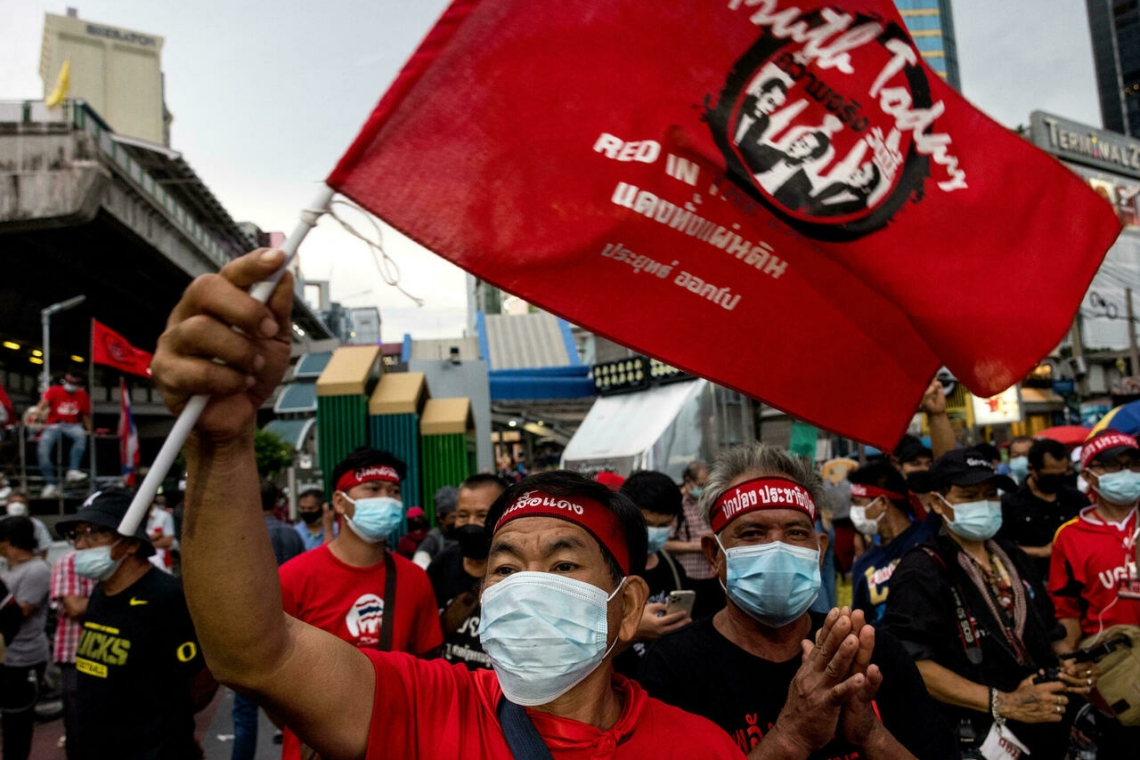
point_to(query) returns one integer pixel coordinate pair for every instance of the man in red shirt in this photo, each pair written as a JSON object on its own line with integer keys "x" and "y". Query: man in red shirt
{"x": 562, "y": 589}
{"x": 7, "y": 411}
{"x": 68, "y": 413}
{"x": 354, "y": 587}
{"x": 1094, "y": 555}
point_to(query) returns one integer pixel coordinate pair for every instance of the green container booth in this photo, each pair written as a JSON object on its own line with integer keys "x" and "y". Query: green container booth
{"x": 394, "y": 414}
{"x": 342, "y": 406}
{"x": 447, "y": 431}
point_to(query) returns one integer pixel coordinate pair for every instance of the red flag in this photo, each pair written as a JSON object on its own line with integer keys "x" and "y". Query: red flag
{"x": 128, "y": 436}
{"x": 779, "y": 196}
{"x": 112, "y": 349}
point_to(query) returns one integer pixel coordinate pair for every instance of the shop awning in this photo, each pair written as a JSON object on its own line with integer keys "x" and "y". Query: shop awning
{"x": 297, "y": 398}
{"x": 1042, "y": 396}
{"x": 292, "y": 432}
{"x": 657, "y": 429}
{"x": 310, "y": 366}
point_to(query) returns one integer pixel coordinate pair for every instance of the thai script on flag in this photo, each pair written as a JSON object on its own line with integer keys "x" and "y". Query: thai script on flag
{"x": 128, "y": 437}
{"x": 776, "y": 195}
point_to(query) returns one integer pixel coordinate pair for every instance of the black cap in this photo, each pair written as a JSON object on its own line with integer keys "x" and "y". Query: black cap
{"x": 967, "y": 467}
{"x": 107, "y": 508}
{"x": 910, "y": 448}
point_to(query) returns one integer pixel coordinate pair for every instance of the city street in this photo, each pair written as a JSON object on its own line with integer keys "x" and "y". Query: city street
{"x": 502, "y": 379}
{"x": 215, "y": 732}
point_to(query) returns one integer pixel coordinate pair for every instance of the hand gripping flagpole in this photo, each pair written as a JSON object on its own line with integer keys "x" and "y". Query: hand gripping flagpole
{"x": 193, "y": 409}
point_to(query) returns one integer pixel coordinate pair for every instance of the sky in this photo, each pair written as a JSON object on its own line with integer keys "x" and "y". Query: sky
{"x": 267, "y": 94}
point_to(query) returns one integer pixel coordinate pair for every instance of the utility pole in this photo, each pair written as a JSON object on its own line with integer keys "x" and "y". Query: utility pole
{"x": 1079, "y": 356}
{"x": 1133, "y": 353}
{"x": 45, "y": 320}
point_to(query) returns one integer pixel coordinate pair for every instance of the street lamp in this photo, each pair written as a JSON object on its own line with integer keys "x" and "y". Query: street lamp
{"x": 45, "y": 319}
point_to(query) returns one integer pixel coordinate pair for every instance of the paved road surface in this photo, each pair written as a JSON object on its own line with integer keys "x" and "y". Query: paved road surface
{"x": 216, "y": 733}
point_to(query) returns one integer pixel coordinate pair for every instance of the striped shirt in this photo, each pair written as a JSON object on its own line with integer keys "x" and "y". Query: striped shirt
{"x": 692, "y": 529}
{"x": 66, "y": 582}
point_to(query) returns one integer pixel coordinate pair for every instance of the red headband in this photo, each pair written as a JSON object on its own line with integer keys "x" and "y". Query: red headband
{"x": 760, "y": 493}
{"x": 353, "y": 478}
{"x": 1103, "y": 443}
{"x": 599, "y": 522}
{"x": 871, "y": 492}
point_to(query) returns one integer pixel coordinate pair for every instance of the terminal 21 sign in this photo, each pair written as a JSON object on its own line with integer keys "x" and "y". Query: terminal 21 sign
{"x": 1109, "y": 162}
{"x": 1085, "y": 145}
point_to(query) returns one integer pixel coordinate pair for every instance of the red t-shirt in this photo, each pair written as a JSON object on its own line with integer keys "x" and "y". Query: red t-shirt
{"x": 433, "y": 710}
{"x": 64, "y": 406}
{"x": 348, "y": 602}
{"x": 9, "y": 410}
{"x": 1087, "y": 566}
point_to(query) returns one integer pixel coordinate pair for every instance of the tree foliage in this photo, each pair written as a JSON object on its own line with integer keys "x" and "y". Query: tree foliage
{"x": 272, "y": 452}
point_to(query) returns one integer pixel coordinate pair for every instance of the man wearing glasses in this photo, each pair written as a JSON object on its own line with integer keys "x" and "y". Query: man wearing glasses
{"x": 1092, "y": 575}
{"x": 139, "y": 670}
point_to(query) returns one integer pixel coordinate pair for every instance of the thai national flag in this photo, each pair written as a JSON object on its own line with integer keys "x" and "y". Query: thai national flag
{"x": 128, "y": 437}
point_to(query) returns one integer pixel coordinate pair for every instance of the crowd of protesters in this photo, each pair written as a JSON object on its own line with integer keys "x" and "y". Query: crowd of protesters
{"x": 555, "y": 615}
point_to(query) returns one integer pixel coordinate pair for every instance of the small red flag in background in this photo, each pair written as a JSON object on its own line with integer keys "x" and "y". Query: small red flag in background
{"x": 778, "y": 196}
{"x": 113, "y": 350}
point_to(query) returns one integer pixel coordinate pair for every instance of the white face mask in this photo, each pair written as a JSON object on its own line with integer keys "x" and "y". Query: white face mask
{"x": 863, "y": 524}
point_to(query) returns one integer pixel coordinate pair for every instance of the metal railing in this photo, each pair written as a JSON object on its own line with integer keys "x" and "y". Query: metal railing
{"x": 80, "y": 117}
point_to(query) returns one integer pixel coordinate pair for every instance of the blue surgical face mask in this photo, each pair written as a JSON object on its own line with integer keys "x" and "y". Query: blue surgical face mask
{"x": 70, "y": 387}
{"x": 696, "y": 491}
{"x": 1120, "y": 488}
{"x": 774, "y": 583}
{"x": 96, "y": 563}
{"x": 375, "y": 518}
{"x": 544, "y": 634}
{"x": 1019, "y": 466}
{"x": 657, "y": 538}
{"x": 975, "y": 520}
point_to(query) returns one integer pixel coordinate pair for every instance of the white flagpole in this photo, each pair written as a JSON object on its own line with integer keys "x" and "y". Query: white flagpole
{"x": 193, "y": 410}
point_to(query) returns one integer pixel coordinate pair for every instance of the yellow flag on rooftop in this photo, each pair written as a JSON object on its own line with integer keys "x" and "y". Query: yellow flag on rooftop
{"x": 62, "y": 83}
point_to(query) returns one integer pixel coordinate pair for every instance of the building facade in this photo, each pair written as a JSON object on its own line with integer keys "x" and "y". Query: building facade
{"x": 1110, "y": 163}
{"x": 931, "y": 23}
{"x": 1115, "y": 29}
{"x": 117, "y": 71}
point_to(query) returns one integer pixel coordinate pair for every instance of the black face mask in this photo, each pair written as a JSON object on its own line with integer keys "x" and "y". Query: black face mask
{"x": 1070, "y": 479}
{"x": 474, "y": 543}
{"x": 1049, "y": 483}
{"x": 310, "y": 517}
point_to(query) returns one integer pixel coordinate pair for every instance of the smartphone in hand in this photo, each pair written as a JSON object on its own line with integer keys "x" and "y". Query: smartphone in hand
{"x": 681, "y": 601}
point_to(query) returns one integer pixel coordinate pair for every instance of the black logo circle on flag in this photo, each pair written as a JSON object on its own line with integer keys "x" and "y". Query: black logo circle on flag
{"x": 827, "y": 141}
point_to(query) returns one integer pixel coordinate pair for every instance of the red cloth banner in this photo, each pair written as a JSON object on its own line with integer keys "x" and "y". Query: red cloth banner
{"x": 779, "y": 196}
{"x": 113, "y": 350}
